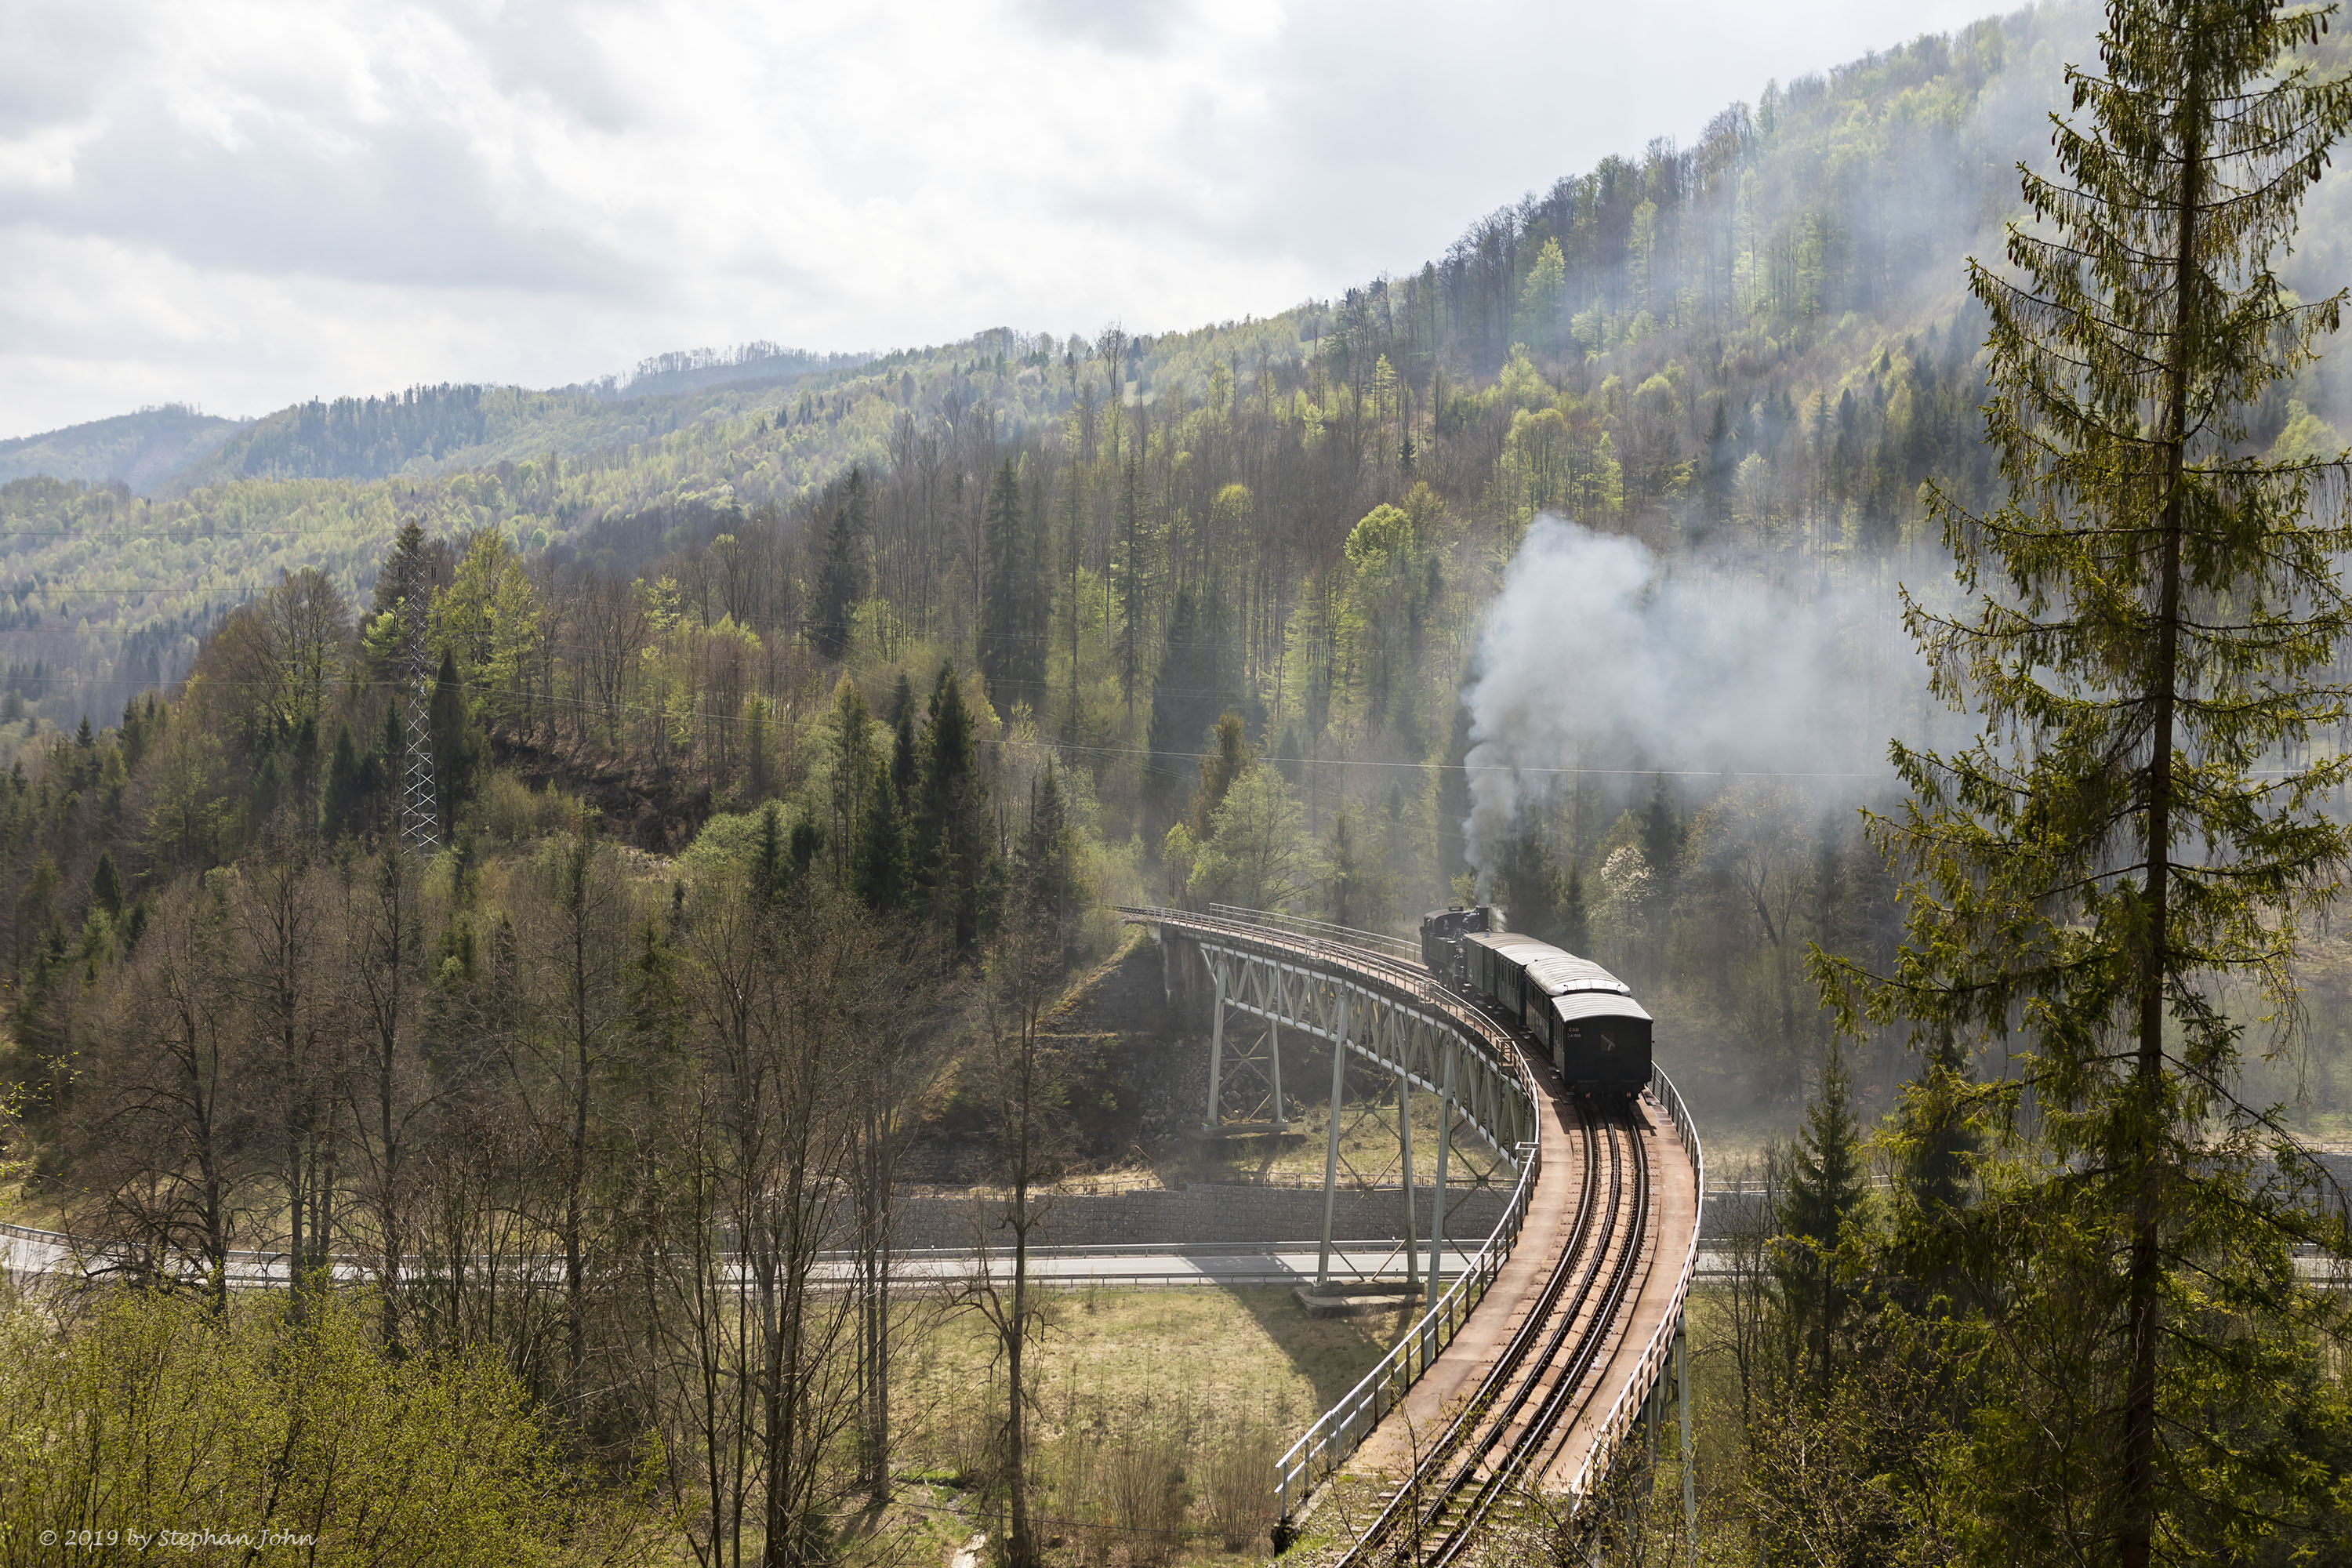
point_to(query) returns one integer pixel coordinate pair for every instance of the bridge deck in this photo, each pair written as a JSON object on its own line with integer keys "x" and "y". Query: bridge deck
{"x": 1391, "y": 1450}
{"x": 1407, "y": 1429}
{"x": 1674, "y": 1222}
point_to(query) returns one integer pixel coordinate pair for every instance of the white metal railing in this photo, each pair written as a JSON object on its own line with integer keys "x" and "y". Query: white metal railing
{"x": 1400, "y": 970}
{"x": 1397, "y": 946}
{"x": 1644, "y": 1381}
{"x": 1337, "y": 1431}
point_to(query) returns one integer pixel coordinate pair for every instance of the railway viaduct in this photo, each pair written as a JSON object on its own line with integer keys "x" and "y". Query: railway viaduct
{"x": 1546, "y": 1366}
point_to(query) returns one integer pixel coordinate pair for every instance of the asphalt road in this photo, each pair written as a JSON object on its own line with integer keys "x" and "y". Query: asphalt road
{"x": 33, "y": 1253}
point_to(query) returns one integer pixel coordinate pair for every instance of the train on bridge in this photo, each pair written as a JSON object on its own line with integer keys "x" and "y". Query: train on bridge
{"x": 1570, "y": 1008}
{"x": 1538, "y": 1365}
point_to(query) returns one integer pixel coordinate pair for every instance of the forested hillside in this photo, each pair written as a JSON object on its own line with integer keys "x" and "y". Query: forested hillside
{"x": 1747, "y": 355}
{"x": 1766, "y": 292}
{"x": 141, "y": 450}
{"x": 779, "y": 748}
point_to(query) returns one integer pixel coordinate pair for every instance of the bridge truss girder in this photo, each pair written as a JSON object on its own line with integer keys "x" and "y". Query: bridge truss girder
{"x": 1423, "y": 1047}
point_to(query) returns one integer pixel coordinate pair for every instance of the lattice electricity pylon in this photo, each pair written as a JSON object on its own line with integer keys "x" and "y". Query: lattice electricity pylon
{"x": 420, "y": 803}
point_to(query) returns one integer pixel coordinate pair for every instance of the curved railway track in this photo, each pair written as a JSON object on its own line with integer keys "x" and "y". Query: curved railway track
{"x": 1514, "y": 1422}
{"x": 1535, "y": 1415}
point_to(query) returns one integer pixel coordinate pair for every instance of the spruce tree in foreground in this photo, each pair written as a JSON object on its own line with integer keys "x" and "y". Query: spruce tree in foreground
{"x": 2110, "y": 880}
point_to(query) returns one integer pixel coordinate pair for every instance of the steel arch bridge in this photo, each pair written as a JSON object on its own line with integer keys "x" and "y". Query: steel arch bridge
{"x": 1561, "y": 1342}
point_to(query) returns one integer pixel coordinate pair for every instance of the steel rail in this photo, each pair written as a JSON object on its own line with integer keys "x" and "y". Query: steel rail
{"x": 1480, "y": 1412}
{"x": 1552, "y": 1379}
{"x": 1622, "y": 1414}
{"x": 1537, "y": 1436}
{"x": 1376, "y": 942}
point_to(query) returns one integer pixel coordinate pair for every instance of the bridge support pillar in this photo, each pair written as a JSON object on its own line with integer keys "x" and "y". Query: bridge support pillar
{"x": 1404, "y": 1153}
{"x": 1437, "y": 1203}
{"x": 1690, "y": 1443}
{"x": 1274, "y": 1048}
{"x": 1332, "y": 1143}
{"x": 1216, "y": 1119}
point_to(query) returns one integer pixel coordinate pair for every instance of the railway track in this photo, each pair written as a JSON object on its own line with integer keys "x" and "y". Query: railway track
{"x": 1512, "y": 1424}
{"x": 1564, "y": 1377}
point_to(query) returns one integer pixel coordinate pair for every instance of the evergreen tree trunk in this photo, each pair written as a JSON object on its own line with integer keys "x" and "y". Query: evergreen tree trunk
{"x": 2140, "y": 1402}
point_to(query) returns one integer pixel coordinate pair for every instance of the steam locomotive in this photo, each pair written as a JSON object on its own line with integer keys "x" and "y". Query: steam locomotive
{"x": 1577, "y": 1013}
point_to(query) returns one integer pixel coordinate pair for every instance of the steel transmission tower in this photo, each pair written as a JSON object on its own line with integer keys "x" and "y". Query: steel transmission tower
{"x": 420, "y": 807}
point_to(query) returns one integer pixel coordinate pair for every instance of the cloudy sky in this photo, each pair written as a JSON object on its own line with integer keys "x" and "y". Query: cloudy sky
{"x": 240, "y": 205}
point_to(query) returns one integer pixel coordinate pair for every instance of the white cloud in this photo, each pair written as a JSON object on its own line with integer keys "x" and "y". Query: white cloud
{"x": 239, "y": 203}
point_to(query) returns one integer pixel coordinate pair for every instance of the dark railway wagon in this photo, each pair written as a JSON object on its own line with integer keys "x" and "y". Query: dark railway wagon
{"x": 1576, "y": 1012}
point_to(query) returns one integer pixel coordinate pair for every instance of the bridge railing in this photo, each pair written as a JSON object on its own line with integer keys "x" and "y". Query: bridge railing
{"x": 1339, "y": 1430}
{"x": 1397, "y": 965}
{"x": 1391, "y": 946}
{"x": 1655, "y": 1355}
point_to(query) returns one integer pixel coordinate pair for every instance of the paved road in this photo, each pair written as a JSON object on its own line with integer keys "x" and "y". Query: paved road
{"x": 26, "y": 1252}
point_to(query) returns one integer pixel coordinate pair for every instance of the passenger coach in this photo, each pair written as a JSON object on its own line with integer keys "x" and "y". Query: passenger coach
{"x": 1577, "y": 1013}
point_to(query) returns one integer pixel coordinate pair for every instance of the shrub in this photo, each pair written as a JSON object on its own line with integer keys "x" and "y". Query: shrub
{"x": 146, "y": 1413}
{"x": 512, "y": 810}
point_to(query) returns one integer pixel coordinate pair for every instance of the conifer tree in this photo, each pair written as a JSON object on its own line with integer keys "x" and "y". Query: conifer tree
{"x": 1357, "y": 890}
{"x": 1575, "y": 929}
{"x": 106, "y": 885}
{"x": 1046, "y": 868}
{"x": 1536, "y": 891}
{"x": 1661, "y": 835}
{"x": 954, "y": 850}
{"x": 882, "y": 873}
{"x": 1230, "y": 759}
{"x": 1826, "y": 1184}
{"x": 459, "y": 753}
{"x": 1195, "y": 682}
{"x": 1131, "y": 568}
{"x": 1939, "y": 1145}
{"x": 2151, "y": 618}
{"x": 852, "y": 769}
{"x": 1453, "y": 799}
{"x": 840, "y": 571}
{"x": 771, "y": 872}
{"x": 382, "y": 769}
{"x": 906, "y": 763}
{"x": 1010, "y": 654}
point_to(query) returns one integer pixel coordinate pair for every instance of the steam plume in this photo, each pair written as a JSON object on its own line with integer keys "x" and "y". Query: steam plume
{"x": 1593, "y": 658}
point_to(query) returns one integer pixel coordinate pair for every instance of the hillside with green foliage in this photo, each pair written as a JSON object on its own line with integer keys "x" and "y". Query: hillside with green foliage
{"x": 1782, "y": 290}
{"x": 141, "y": 450}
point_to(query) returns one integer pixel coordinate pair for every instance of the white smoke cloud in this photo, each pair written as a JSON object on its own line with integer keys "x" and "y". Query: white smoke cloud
{"x": 1594, "y": 657}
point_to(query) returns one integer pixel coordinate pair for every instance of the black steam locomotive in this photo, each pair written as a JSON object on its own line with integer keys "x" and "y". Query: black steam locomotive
{"x": 1574, "y": 1011}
